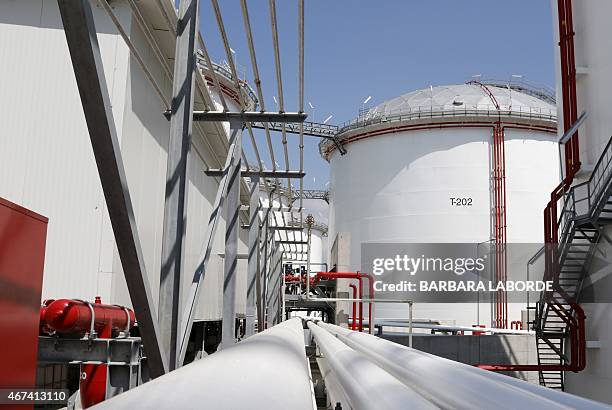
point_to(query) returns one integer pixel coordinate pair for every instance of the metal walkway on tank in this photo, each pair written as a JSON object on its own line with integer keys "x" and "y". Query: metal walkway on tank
{"x": 586, "y": 211}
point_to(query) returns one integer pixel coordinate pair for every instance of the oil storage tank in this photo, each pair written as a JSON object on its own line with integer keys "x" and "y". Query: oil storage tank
{"x": 419, "y": 168}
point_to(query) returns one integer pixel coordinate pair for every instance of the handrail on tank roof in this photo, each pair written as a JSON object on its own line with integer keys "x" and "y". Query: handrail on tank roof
{"x": 444, "y": 111}
{"x": 227, "y": 74}
{"x": 541, "y": 92}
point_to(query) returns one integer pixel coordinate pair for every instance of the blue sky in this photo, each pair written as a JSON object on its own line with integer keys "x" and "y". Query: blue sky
{"x": 357, "y": 48}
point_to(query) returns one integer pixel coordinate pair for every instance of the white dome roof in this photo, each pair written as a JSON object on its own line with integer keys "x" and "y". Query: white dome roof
{"x": 461, "y": 97}
{"x": 518, "y": 102}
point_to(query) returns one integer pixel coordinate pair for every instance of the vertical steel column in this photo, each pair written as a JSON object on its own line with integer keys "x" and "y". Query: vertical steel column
{"x": 271, "y": 286}
{"x": 253, "y": 260}
{"x": 266, "y": 268}
{"x": 280, "y": 289}
{"x": 181, "y": 122}
{"x": 283, "y": 295}
{"x": 198, "y": 276}
{"x": 409, "y": 324}
{"x": 232, "y": 226}
{"x": 275, "y": 281}
{"x": 84, "y": 50}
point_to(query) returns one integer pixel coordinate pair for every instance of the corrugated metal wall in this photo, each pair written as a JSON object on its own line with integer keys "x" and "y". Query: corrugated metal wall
{"x": 46, "y": 161}
{"x": 47, "y": 164}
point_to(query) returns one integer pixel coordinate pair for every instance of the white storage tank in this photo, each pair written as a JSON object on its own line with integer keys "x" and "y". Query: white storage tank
{"x": 408, "y": 157}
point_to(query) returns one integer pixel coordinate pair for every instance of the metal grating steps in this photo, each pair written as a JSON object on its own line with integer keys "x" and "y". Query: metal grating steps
{"x": 579, "y": 234}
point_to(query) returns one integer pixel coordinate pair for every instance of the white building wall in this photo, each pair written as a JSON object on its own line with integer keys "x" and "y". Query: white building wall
{"x": 46, "y": 160}
{"x": 48, "y": 166}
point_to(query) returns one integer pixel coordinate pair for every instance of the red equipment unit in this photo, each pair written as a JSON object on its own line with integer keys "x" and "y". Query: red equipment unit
{"x": 23, "y": 235}
{"x": 70, "y": 316}
{"x": 74, "y": 317}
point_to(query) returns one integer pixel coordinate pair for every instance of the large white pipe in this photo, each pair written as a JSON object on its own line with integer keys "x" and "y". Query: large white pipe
{"x": 266, "y": 371}
{"x": 335, "y": 393}
{"x": 367, "y": 386}
{"x": 455, "y": 385}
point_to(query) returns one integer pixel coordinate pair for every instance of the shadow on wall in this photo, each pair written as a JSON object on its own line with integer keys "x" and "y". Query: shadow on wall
{"x": 473, "y": 350}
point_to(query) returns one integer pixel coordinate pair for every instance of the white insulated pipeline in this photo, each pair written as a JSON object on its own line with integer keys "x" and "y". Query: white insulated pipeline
{"x": 366, "y": 385}
{"x": 454, "y": 385}
{"x": 333, "y": 388}
{"x": 266, "y": 371}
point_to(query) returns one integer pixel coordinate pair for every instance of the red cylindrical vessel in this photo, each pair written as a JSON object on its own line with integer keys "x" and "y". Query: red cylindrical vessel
{"x": 69, "y": 316}
{"x": 74, "y": 317}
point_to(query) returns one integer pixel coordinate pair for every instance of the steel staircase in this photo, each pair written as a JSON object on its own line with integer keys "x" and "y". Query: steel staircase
{"x": 587, "y": 208}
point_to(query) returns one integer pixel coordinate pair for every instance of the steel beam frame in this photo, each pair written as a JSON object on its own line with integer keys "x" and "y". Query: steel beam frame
{"x": 84, "y": 50}
{"x": 263, "y": 250}
{"x": 278, "y": 208}
{"x": 118, "y": 351}
{"x": 195, "y": 288}
{"x": 247, "y": 116}
{"x": 269, "y": 237}
{"x": 274, "y": 287}
{"x": 232, "y": 229}
{"x": 256, "y": 173}
{"x": 253, "y": 261}
{"x": 181, "y": 124}
{"x": 312, "y": 129}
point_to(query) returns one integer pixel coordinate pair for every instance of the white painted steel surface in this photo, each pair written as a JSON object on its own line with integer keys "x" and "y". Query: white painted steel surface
{"x": 455, "y": 385}
{"x": 396, "y": 187}
{"x": 593, "y": 80}
{"x": 48, "y": 165}
{"x": 266, "y": 371}
{"x": 594, "y": 94}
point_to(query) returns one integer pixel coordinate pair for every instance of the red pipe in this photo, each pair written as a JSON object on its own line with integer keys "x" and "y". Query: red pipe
{"x": 497, "y": 219}
{"x": 358, "y": 276}
{"x": 353, "y": 320}
{"x": 74, "y": 317}
{"x": 370, "y": 305}
{"x": 516, "y": 324}
{"x": 499, "y": 194}
{"x": 568, "y": 82}
{"x": 504, "y": 224}
{"x": 576, "y": 325}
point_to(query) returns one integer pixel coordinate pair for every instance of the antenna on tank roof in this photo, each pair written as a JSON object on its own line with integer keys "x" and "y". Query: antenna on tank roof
{"x": 431, "y": 99}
